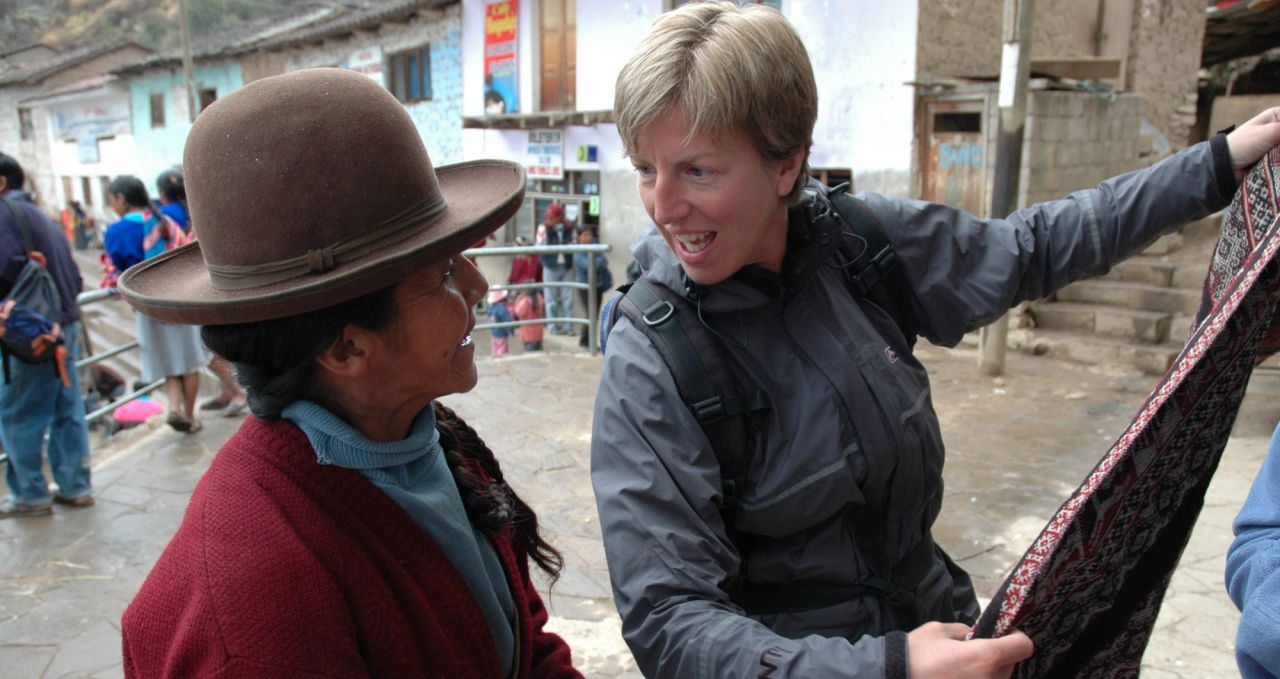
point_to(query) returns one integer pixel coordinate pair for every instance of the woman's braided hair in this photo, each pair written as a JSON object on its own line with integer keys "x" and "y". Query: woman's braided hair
{"x": 491, "y": 504}
{"x": 275, "y": 363}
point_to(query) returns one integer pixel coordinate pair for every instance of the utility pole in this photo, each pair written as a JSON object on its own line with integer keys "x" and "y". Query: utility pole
{"x": 186, "y": 61}
{"x": 1015, "y": 69}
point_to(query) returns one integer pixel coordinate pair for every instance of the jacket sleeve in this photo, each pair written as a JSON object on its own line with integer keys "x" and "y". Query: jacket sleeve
{"x": 656, "y": 480}
{"x": 1253, "y": 571}
{"x": 967, "y": 272}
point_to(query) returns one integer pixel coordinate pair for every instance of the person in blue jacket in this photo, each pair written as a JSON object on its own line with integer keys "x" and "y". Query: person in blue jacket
{"x": 1253, "y": 572}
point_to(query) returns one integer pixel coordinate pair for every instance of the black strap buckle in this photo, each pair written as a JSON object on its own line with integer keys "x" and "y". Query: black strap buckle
{"x": 663, "y": 306}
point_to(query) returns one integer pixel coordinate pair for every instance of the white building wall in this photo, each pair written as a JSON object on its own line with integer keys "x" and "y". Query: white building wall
{"x": 862, "y": 53}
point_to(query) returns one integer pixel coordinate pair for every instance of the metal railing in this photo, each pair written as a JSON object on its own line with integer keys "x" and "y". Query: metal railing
{"x": 592, "y": 321}
{"x": 95, "y": 297}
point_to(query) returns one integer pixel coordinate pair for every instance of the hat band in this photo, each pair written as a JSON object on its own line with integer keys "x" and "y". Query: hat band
{"x": 318, "y": 261}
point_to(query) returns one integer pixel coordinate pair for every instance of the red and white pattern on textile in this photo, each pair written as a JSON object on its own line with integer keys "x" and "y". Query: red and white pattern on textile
{"x": 1089, "y": 588}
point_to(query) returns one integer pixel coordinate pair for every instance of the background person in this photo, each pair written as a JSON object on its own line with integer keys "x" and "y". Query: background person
{"x": 172, "y": 189}
{"x": 529, "y": 308}
{"x": 604, "y": 278}
{"x": 831, "y": 569}
{"x": 170, "y": 352}
{"x": 1253, "y": 572}
{"x": 35, "y": 402}
{"x": 554, "y": 230}
{"x": 353, "y": 526}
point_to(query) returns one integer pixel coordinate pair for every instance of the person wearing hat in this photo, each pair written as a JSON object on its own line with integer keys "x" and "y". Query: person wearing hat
{"x": 499, "y": 338}
{"x": 353, "y": 526}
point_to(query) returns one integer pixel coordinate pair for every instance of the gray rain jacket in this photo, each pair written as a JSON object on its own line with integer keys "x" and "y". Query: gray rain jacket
{"x": 851, "y": 420}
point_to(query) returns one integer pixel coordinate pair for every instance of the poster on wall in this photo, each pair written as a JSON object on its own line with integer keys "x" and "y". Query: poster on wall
{"x": 367, "y": 61}
{"x": 500, "y": 57}
{"x": 546, "y": 154}
{"x": 106, "y": 118}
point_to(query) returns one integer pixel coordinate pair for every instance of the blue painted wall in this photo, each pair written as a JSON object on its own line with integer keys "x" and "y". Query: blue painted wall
{"x": 439, "y": 121}
{"x": 161, "y": 148}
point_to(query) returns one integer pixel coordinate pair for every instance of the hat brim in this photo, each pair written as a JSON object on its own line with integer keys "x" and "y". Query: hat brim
{"x": 174, "y": 287}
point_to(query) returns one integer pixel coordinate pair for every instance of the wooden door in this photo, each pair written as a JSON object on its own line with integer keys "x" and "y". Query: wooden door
{"x": 955, "y": 163}
{"x": 557, "y": 36}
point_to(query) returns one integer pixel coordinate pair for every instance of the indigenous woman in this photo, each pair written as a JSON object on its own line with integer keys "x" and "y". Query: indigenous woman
{"x": 169, "y": 352}
{"x": 353, "y": 526}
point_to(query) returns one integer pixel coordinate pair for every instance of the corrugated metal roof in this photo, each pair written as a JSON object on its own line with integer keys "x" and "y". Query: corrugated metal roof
{"x": 249, "y": 36}
{"x": 34, "y": 73}
{"x": 365, "y": 18}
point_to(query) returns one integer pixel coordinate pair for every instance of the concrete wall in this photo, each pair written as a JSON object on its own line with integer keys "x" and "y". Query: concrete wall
{"x": 161, "y": 148}
{"x": 961, "y": 38}
{"x": 958, "y": 39}
{"x": 1237, "y": 109}
{"x": 1073, "y": 140}
{"x": 259, "y": 65}
{"x": 33, "y": 154}
{"x": 439, "y": 120}
{"x": 1164, "y": 64}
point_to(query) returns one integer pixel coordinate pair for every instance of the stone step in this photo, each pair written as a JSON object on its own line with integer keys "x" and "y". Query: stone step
{"x": 1132, "y": 296}
{"x": 1151, "y": 327}
{"x": 1143, "y": 269}
{"x": 1093, "y": 349}
{"x": 1170, "y": 242}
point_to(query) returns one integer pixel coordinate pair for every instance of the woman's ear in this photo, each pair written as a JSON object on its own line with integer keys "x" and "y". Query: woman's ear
{"x": 787, "y": 171}
{"x": 348, "y": 356}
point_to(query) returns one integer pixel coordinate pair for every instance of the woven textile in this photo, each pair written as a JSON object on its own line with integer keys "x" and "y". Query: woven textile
{"x": 1089, "y": 588}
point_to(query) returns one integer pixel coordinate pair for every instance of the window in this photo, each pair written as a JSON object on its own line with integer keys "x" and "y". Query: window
{"x": 24, "y": 123}
{"x": 558, "y": 41}
{"x": 157, "y": 110}
{"x": 207, "y": 97}
{"x": 833, "y": 176}
{"x": 409, "y": 74}
{"x": 88, "y": 194}
{"x": 104, "y": 183}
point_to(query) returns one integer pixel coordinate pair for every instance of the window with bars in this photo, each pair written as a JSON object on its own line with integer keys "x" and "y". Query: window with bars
{"x": 28, "y": 128}
{"x": 157, "y": 110}
{"x": 208, "y": 95}
{"x": 409, "y": 74}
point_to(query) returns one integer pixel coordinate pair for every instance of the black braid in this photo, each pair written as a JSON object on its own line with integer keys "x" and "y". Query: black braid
{"x": 491, "y": 506}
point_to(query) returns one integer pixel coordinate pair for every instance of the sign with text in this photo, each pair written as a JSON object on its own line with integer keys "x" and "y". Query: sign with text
{"x": 546, "y": 154}
{"x": 367, "y": 61}
{"x": 500, "y": 23}
{"x": 92, "y": 120}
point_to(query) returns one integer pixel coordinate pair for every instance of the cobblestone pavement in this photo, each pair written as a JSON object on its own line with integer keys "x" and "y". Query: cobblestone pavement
{"x": 1017, "y": 446}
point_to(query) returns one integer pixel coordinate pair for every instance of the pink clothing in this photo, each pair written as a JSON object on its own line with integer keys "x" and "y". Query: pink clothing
{"x": 529, "y": 307}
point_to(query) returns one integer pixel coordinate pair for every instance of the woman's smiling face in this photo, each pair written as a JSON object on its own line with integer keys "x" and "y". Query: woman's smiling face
{"x": 719, "y": 205}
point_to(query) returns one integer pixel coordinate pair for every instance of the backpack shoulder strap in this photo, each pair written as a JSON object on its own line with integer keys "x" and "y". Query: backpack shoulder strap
{"x": 24, "y": 229}
{"x": 872, "y": 265}
{"x": 706, "y": 384}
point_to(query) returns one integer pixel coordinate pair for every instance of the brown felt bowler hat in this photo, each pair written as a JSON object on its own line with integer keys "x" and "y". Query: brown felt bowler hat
{"x": 309, "y": 189}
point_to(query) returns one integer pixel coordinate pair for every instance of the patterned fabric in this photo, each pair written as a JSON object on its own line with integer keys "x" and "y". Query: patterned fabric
{"x": 1088, "y": 590}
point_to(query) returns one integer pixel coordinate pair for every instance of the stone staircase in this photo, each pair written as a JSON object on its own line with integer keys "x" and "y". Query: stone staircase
{"x": 1139, "y": 315}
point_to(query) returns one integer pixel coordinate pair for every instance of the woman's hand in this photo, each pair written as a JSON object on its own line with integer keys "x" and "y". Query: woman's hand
{"x": 937, "y": 649}
{"x": 1251, "y": 140}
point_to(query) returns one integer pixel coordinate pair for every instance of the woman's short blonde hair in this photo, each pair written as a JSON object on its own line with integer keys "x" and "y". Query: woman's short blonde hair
{"x": 730, "y": 68}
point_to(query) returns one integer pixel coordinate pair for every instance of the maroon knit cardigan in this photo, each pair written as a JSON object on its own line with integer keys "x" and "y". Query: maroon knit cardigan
{"x": 284, "y": 567}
